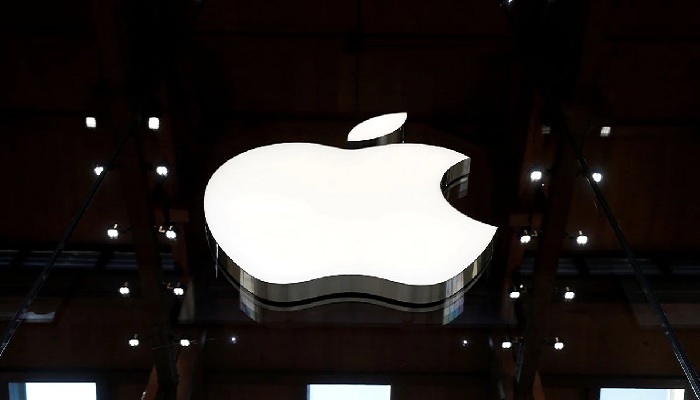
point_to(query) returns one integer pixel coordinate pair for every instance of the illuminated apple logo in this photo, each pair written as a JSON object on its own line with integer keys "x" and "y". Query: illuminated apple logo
{"x": 301, "y": 223}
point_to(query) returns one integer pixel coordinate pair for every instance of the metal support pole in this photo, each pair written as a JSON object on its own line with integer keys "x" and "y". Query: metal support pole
{"x": 678, "y": 350}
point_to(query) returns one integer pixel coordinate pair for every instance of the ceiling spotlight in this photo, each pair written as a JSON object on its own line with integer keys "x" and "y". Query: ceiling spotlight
{"x": 597, "y": 176}
{"x": 91, "y": 122}
{"x": 233, "y": 340}
{"x": 124, "y": 290}
{"x": 581, "y": 239}
{"x": 535, "y": 175}
{"x": 525, "y": 236}
{"x": 569, "y": 294}
{"x": 516, "y": 291}
{"x": 178, "y": 291}
{"x": 113, "y": 231}
{"x": 134, "y": 341}
{"x": 153, "y": 123}
{"x": 506, "y": 344}
{"x": 99, "y": 169}
{"x": 185, "y": 342}
{"x": 558, "y": 344}
{"x": 465, "y": 342}
{"x": 170, "y": 233}
{"x": 162, "y": 170}
{"x": 605, "y": 131}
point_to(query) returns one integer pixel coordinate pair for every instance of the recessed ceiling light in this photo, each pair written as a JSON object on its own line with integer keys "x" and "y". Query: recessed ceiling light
{"x": 535, "y": 175}
{"x": 597, "y": 176}
{"x": 605, "y": 131}
{"x": 153, "y": 123}
{"x": 91, "y": 122}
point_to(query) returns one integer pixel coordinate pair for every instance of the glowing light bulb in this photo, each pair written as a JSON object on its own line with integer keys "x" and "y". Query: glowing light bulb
{"x": 514, "y": 294}
{"x": 558, "y": 345}
{"x": 597, "y": 176}
{"x": 506, "y": 344}
{"x": 233, "y": 340}
{"x": 581, "y": 239}
{"x": 98, "y": 170}
{"x": 171, "y": 234}
{"x": 569, "y": 294}
{"x": 91, "y": 122}
{"x": 162, "y": 170}
{"x": 178, "y": 291}
{"x": 124, "y": 290}
{"x": 525, "y": 238}
{"x": 113, "y": 232}
{"x": 153, "y": 123}
{"x": 465, "y": 342}
{"x": 134, "y": 342}
{"x": 535, "y": 175}
{"x": 185, "y": 342}
{"x": 605, "y": 131}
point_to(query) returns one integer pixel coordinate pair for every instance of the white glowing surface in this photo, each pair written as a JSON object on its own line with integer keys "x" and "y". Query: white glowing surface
{"x": 349, "y": 392}
{"x": 153, "y": 123}
{"x": 641, "y": 394}
{"x": 377, "y": 127}
{"x": 559, "y": 346}
{"x": 535, "y": 175}
{"x": 61, "y": 390}
{"x": 506, "y": 345}
{"x": 91, "y": 122}
{"x": 294, "y": 212}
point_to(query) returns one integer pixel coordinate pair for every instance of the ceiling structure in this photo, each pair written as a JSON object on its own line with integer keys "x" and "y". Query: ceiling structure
{"x": 489, "y": 80}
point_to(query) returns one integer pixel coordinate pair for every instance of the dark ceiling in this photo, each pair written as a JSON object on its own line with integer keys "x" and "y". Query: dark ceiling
{"x": 479, "y": 77}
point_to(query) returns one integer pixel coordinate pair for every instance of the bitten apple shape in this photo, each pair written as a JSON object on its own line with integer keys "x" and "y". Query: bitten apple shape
{"x": 309, "y": 220}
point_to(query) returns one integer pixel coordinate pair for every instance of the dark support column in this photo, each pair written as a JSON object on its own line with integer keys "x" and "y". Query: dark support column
{"x": 563, "y": 175}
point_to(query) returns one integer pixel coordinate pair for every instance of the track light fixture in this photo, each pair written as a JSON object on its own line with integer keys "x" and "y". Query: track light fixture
{"x": 90, "y": 122}
{"x": 516, "y": 292}
{"x": 536, "y": 175}
{"x": 569, "y": 294}
{"x": 558, "y": 344}
{"x": 98, "y": 169}
{"x": 508, "y": 342}
{"x": 113, "y": 231}
{"x": 134, "y": 341}
{"x": 177, "y": 288}
{"x": 526, "y": 235}
{"x": 168, "y": 231}
{"x": 153, "y": 123}
{"x": 162, "y": 170}
{"x": 124, "y": 289}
